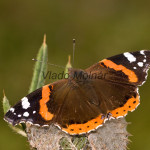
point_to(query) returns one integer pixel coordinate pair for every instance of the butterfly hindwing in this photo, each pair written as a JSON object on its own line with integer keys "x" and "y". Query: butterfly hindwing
{"x": 78, "y": 114}
{"x": 116, "y": 98}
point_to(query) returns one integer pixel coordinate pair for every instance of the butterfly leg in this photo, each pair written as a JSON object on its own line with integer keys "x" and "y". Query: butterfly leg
{"x": 109, "y": 115}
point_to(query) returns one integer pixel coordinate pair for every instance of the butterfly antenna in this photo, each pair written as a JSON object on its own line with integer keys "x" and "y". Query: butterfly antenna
{"x": 74, "y": 43}
{"x": 48, "y": 63}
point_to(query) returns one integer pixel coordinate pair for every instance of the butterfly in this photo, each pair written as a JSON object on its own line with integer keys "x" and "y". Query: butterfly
{"x": 87, "y": 98}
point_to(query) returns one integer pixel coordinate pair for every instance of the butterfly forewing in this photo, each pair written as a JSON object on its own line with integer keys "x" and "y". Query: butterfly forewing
{"x": 133, "y": 65}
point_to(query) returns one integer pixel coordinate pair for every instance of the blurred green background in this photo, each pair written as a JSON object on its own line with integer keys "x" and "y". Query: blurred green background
{"x": 101, "y": 29}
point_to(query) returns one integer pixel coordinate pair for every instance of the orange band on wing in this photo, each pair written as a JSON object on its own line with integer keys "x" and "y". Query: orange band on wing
{"x": 84, "y": 128}
{"x": 130, "y": 105}
{"x": 43, "y": 107}
{"x": 131, "y": 75}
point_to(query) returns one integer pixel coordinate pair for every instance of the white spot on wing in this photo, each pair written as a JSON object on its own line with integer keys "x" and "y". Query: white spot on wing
{"x": 26, "y": 114}
{"x": 142, "y": 52}
{"x": 34, "y": 112}
{"x": 120, "y": 117}
{"x": 46, "y": 125}
{"x": 57, "y": 126}
{"x": 12, "y": 109}
{"x": 130, "y": 57}
{"x": 134, "y": 67}
{"x": 144, "y": 60}
{"x": 19, "y": 115}
{"x": 37, "y": 125}
{"x": 140, "y": 64}
{"x": 25, "y": 103}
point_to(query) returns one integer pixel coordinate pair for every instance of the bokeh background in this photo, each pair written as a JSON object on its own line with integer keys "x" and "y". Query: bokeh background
{"x": 101, "y": 29}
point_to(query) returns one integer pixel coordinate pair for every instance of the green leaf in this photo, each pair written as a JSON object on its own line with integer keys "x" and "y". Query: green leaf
{"x": 64, "y": 143}
{"x": 68, "y": 66}
{"x": 80, "y": 142}
{"x": 18, "y": 130}
{"x": 40, "y": 68}
{"x": 6, "y": 105}
{"x": 37, "y": 81}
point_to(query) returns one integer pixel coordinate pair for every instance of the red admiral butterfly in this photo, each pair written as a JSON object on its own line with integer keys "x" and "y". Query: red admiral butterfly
{"x": 80, "y": 105}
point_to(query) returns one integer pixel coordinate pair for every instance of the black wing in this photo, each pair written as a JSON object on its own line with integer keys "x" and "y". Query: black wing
{"x": 129, "y": 67}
